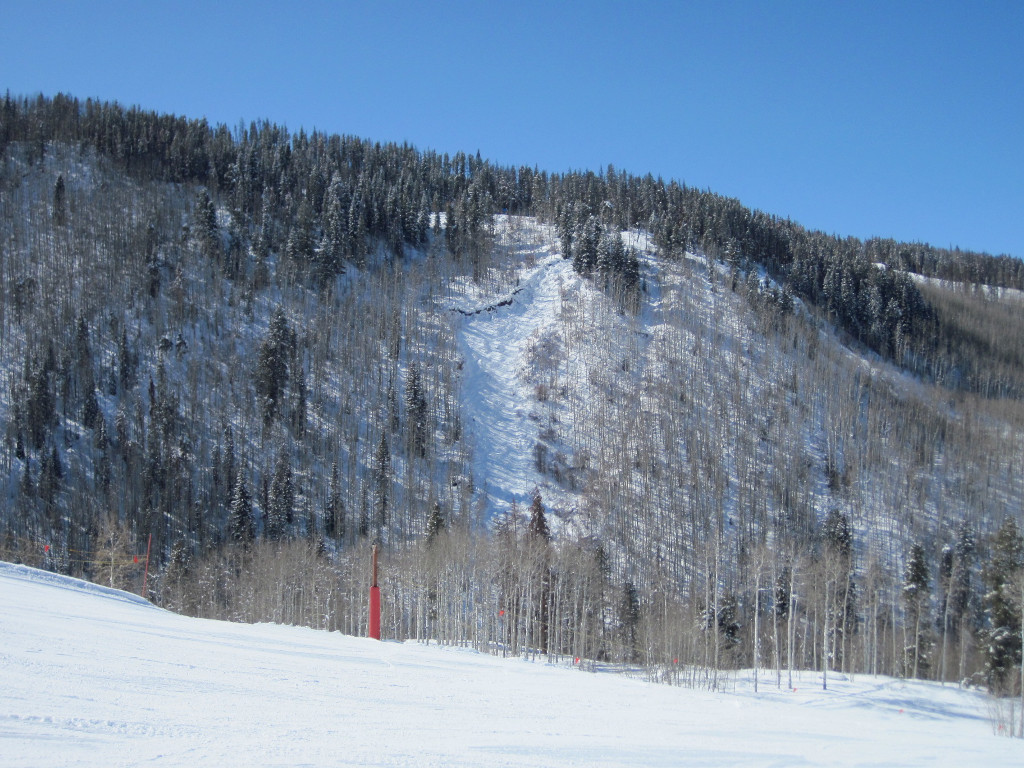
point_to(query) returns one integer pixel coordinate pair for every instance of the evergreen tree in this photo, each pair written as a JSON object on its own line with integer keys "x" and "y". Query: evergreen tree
{"x": 334, "y": 245}
{"x": 435, "y": 521}
{"x": 629, "y": 621}
{"x": 538, "y": 526}
{"x": 838, "y": 537}
{"x": 271, "y": 373}
{"x": 90, "y": 409}
{"x": 241, "y": 523}
{"x": 125, "y": 362}
{"x": 915, "y": 600}
{"x": 416, "y": 413}
{"x": 334, "y": 510}
{"x": 41, "y": 410}
{"x": 382, "y": 483}
{"x": 629, "y": 270}
{"x": 102, "y": 461}
{"x": 205, "y": 222}
{"x": 27, "y": 487}
{"x": 281, "y": 499}
{"x": 60, "y": 203}
{"x": 728, "y": 622}
{"x": 1002, "y": 637}
{"x": 584, "y": 255}
{"x": 300, "y": 238}
{"x": 50, "y": 473}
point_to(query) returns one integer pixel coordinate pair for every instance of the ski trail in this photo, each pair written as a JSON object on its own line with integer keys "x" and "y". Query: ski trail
{"x": 496, "y": 399}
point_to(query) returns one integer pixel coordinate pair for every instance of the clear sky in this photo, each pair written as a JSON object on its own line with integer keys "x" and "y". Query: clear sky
{"x": 895, "y": 119}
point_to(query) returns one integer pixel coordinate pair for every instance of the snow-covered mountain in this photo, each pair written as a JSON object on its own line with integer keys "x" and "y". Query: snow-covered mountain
{"x": 583, "y": 414}
{"x": 96, "y": 677}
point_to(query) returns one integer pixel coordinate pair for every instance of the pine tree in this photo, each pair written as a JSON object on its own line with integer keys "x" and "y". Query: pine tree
{"x": 629, "y": 621}
{"x": 125, "y": 362}
{"x": 955, "y": 575}
{"x": 102, "y": 461}
{"x": 300, "y": 239}
{"x": 241, "y": 524}
{"x": 1002, "y": 637}
{"x": 28, "y": 488}
{"x": 382, "y": 483}
{"x": 838, "y": 536}
{"x": 915, "y": 600}
{"x": 50, "y": 474}
{"x": 41, "y": 409}
{"x": 416, "y": 413}
{"x": 584, "y": 256}
{"x": 538, "y": 526}
{"x": 629, "y": 270}
{"x": 334, "y": 510}
{"x": 90, "y": 409}
{"x": 281, "y": 499}
{"x": 435, "y": 521}
{"x": 60, "y": 203}
{"x": 271, "y": 373}
{"x": 334, "y": 245}
{"x": 204, "y": 217}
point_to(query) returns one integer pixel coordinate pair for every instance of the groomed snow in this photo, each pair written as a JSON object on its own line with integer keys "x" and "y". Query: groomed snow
{"x": 95, "y": 677}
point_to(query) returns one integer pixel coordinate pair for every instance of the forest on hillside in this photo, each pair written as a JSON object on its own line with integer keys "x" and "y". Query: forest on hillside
{"x": 237, "y": 346}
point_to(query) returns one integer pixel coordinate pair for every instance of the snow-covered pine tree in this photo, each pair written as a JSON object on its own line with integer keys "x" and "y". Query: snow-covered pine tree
{"x": 435, "y": 521}
{"x": 416, "y": 413}
{"x": 1002, "y": 636}
{"x": 271, "y": 373}
{"x": 241, "y": 525}
{"x": 916, "y": 595}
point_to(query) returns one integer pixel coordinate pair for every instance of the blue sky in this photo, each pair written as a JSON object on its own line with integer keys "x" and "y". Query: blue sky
{"x": 895, "y": 119}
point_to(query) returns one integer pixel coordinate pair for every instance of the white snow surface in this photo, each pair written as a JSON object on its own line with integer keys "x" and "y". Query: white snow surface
{"x": 513, "y": 338}
{"x": 499, "y": 403}
{"x": 95, "y": 677}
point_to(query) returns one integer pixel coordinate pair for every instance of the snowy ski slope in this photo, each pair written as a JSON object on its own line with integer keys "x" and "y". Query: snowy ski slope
{"x": 498, "y": 405}
{"x": 95, "y": 677}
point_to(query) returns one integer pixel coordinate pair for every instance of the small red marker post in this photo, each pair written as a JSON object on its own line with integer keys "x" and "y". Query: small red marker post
{"x": 374, "y": 628}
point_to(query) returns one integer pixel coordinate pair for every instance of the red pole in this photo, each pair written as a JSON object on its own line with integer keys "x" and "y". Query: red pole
{"x": 374, "y": 629}
{"x": 145, "y": 574}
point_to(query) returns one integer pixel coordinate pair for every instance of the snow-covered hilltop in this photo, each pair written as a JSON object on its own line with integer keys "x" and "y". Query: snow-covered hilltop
{"x": 253, "y": 355}
{"x": 96, "y": 677}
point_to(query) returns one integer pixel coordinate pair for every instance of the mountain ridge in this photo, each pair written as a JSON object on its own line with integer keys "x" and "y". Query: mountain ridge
{"x": 246, "y": 346}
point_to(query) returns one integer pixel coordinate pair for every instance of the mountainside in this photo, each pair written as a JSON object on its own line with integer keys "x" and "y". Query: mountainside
{"x": 97, "y": 677}
{"x": 585, "y": 414}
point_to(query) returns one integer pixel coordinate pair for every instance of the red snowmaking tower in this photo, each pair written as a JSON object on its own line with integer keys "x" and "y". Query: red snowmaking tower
{"x": 374, "y": 628}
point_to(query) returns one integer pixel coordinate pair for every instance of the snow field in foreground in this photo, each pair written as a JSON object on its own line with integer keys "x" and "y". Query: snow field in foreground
{"x": 95, "y": 677}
